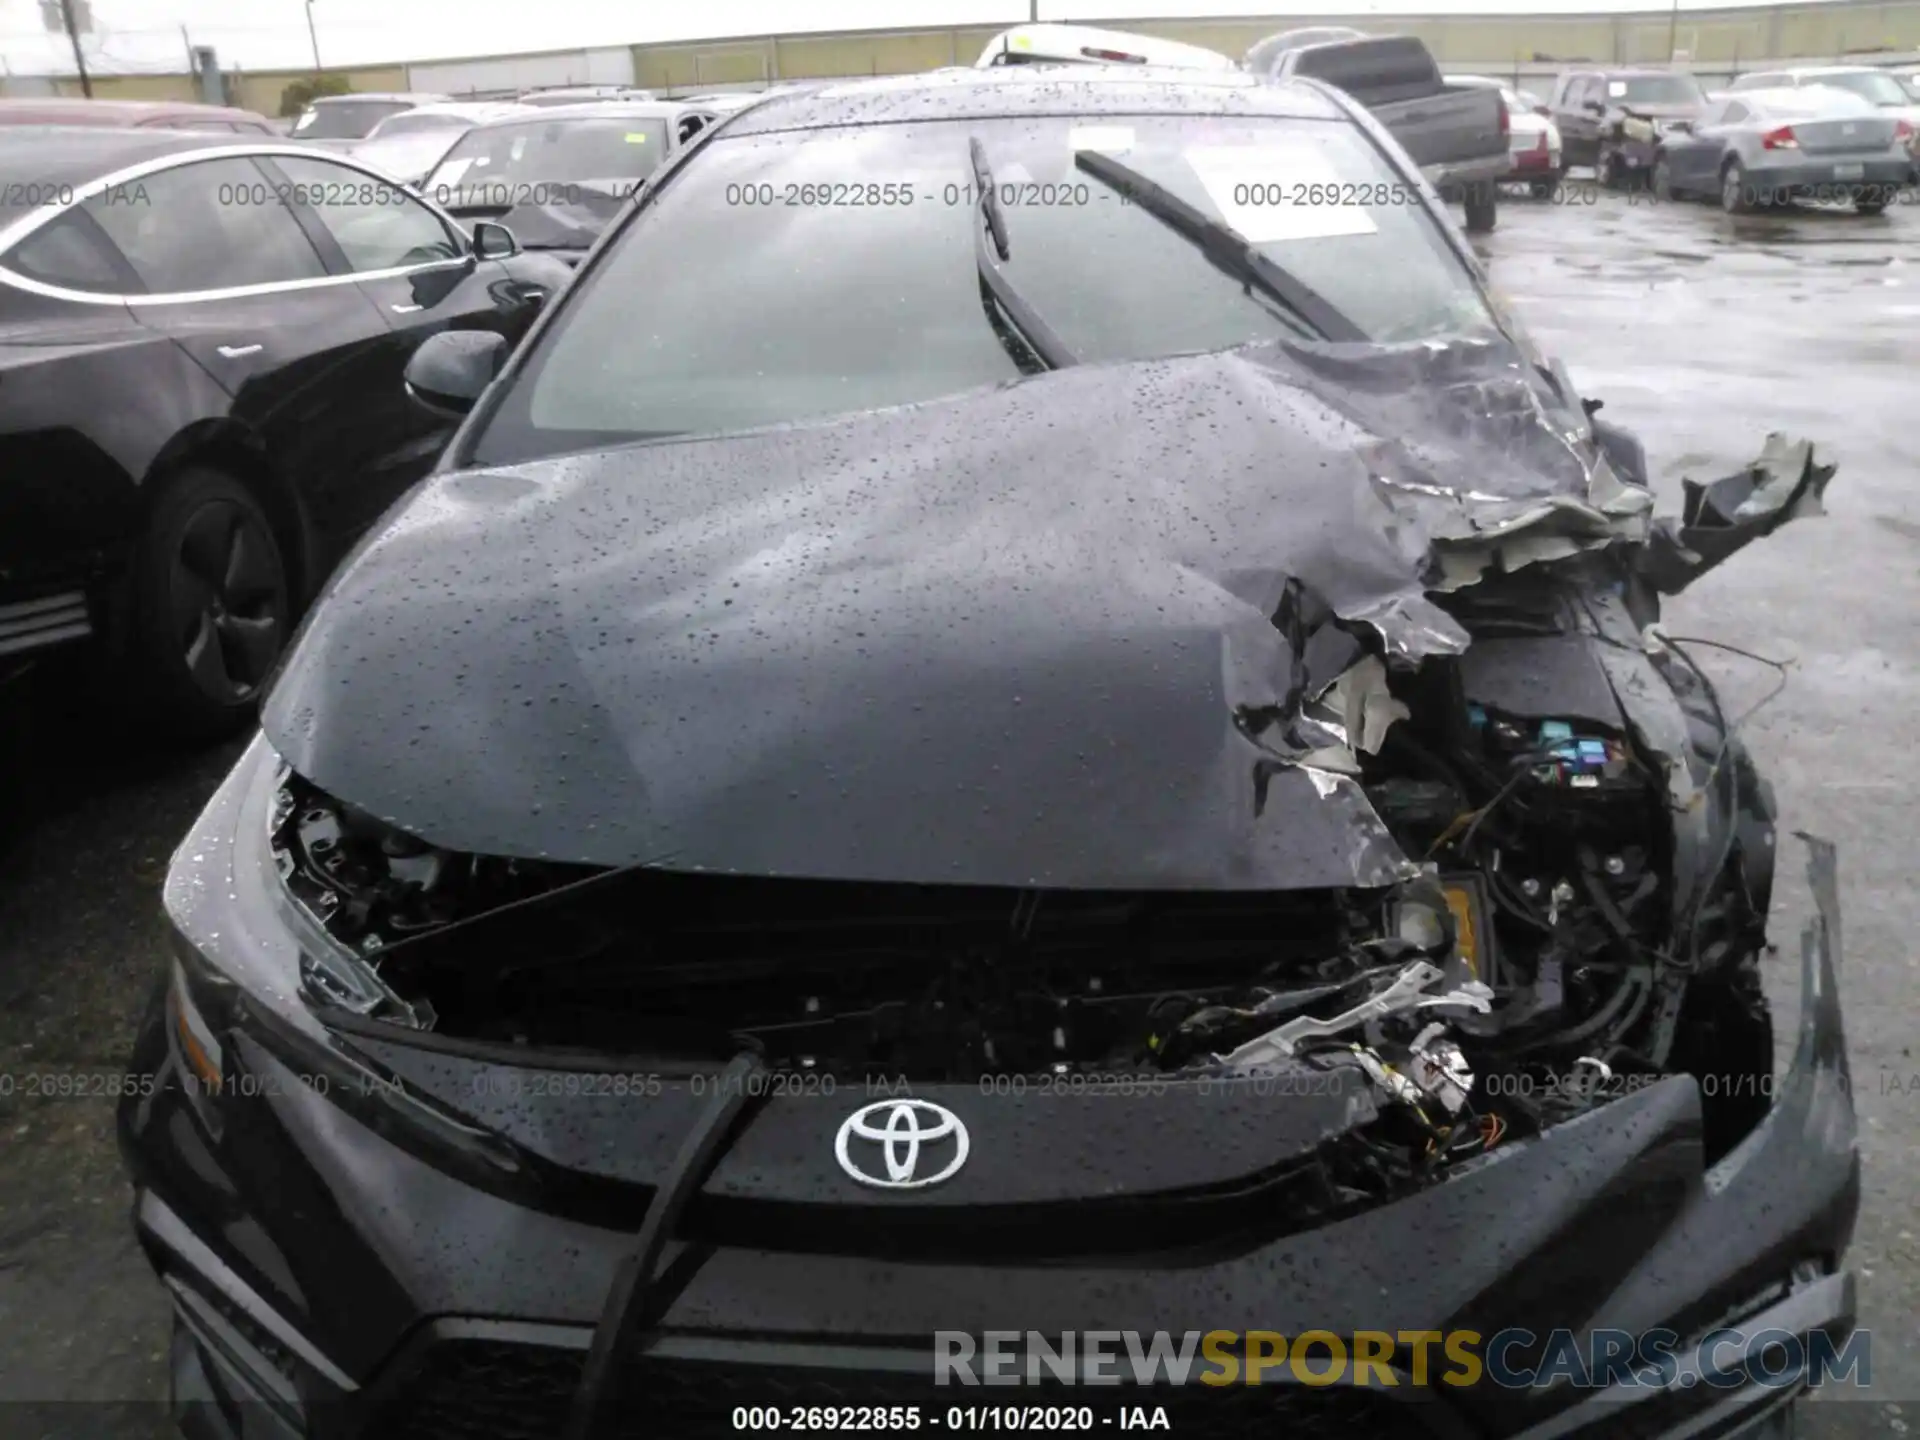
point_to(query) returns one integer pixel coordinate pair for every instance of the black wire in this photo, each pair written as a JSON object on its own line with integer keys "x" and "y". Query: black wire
{"x": 631, "y": 1300}
{"x": 1523, "y": 765}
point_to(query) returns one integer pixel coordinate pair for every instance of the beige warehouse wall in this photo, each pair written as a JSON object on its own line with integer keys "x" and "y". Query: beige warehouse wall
{"x": 259, "y": 91}
{"x": 1727, "y": 39}
{"x": 1746, "y": 35}
{"x": 262, "y": 91}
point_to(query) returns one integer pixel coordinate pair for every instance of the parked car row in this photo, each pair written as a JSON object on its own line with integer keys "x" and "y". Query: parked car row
{"x": 1828, "y": 132}
{"x": 1457, "y": 134}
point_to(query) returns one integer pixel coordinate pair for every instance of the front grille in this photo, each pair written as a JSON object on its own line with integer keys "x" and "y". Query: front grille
{"x": 50, "y": 620}
{"x": 500, "y": 1390}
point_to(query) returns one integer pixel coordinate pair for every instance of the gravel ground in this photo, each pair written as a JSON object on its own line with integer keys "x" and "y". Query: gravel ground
{"x": 1700, "y": 331}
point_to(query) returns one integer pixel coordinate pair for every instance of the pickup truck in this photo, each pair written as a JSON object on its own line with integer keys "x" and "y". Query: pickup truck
{"x": 1456, "y": 134}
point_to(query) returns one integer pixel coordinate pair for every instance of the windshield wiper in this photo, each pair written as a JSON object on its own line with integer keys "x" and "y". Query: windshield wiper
{"x": 990, "y": 247}
{"x": 1225, "y": 248}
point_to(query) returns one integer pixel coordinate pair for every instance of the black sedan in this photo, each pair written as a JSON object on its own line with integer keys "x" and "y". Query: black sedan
{"x": 1043, "y": 738}
{"x": 201, "y": 351}
{"x": 559, "y": 179}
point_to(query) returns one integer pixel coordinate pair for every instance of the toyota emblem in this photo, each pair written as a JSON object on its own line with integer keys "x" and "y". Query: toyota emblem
{"x": 898, "y": 1140}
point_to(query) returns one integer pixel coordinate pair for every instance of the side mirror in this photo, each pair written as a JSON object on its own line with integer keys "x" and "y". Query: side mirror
{"x": 494, "y": 241}
{"x": 452, "y": 369}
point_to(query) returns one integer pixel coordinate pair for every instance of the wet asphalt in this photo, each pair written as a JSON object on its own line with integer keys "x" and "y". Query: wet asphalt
{"x": 1700, "y": 331}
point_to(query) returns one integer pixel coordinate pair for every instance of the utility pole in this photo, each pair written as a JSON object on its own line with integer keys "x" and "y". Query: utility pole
{"x": 79, "y": 59}
{"x": 313, "y": 36}
{"x": 1673, "y": 30}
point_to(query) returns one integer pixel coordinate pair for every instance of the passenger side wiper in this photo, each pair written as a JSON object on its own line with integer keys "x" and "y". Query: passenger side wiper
{"x": 990, "y": 247}
{"x": 1225, "y": 247}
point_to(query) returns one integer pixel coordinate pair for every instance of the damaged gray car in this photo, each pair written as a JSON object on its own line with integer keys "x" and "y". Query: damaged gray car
{"x": 1027, "y": 707}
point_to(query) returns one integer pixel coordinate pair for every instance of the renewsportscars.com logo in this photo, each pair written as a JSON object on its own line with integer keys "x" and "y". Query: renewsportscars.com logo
{"x": 1512, "y": 1359}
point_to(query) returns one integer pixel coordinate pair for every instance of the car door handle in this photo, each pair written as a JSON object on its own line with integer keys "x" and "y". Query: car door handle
{"x": 236, "y": 352}
{"x": 406, "y": 309}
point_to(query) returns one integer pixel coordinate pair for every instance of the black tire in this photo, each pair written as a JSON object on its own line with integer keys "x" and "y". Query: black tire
{"x": 1736, "y": 197}
{"x": 211, "y": 607}
{"x": 1663, "y": 180}
{"x": 1869, "y": 207}
{"x": 1543, "y": 189}
{"x": 1483, "y": 207}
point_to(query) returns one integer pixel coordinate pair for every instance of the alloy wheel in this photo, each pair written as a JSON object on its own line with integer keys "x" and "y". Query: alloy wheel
{"x": 229, "y": 600}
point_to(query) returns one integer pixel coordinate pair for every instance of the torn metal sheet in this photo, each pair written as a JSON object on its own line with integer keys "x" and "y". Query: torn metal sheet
{"x": 1716, "y": 520}
{"x": 1109, "y": 626}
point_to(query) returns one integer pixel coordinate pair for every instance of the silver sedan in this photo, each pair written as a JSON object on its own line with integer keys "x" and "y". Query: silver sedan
{"x": 1758, "y": 148}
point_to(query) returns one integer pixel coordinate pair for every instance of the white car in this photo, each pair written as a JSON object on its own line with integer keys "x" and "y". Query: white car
{"x": 1085, "y": 45}
{"x": 1533, "y": 144}
{"x": 1880, "y": 88}
{"x": 407, "y": 146}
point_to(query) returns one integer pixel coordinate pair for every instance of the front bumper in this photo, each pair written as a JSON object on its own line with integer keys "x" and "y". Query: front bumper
{"x": 367, "y": 1238}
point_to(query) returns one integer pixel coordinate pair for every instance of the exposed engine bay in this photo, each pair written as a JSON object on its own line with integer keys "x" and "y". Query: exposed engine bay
{"x": 1543, "y": 960}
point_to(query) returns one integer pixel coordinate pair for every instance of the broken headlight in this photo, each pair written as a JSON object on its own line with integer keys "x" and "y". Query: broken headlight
{"x": 358, "y": 885}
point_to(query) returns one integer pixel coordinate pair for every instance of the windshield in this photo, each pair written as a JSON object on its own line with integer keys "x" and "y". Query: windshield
{"x": 1873, "y": 86}
{"x": 550, "y": 150}
{"x": 838, "y": 270}
{"x": 344, "y": 119}
{"x": 1657, "y": 90}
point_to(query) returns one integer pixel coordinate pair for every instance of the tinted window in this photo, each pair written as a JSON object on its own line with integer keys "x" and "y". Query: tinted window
{"x": 800, "y": 311}
{"x": 210, "y": 225}
{"x": 376, "y": 225}
{"x": 75, "y": 253}
{"x": 533, "y": 151}
{"x": 344, "y": 119}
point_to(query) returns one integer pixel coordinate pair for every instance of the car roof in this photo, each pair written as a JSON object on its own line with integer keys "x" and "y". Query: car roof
{"x": 593, "y": 110}
{"x": 1791, "y": 97}
{"x": 471, "y": 109}
{"x": 1069, "y": 38}
{"x": 1033, "y": 90}
{"x": 73, "y": 155}
{"x": 413, "y": 97}
{"x": 73, "y": 110}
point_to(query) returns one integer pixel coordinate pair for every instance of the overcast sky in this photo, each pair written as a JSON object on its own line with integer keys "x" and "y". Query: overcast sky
{"x": 145, "y": 35}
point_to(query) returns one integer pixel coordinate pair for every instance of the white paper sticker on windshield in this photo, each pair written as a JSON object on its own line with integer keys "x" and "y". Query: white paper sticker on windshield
{"x": 1113, "y": 139}
{"x": 450, "y": 171}
{"x": 1270, "y": 194}
{"x": 1616, "y": 88}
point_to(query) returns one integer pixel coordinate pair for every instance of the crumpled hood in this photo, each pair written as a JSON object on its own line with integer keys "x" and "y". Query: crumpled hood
{"x": 1082, "y": 630}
